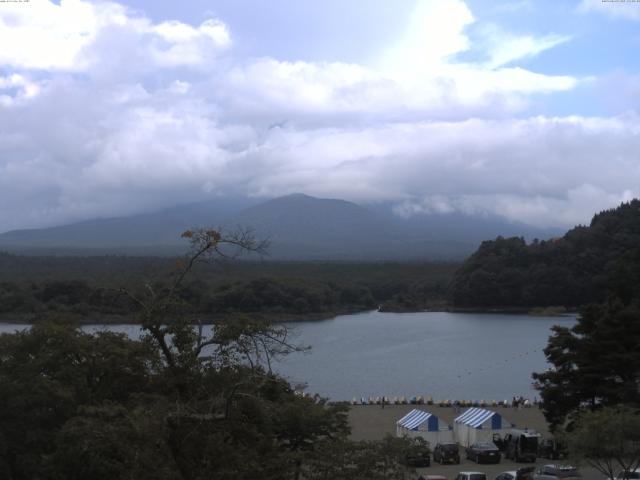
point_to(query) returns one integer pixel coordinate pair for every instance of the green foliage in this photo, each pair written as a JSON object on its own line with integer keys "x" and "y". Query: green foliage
{"x": 48, "y": 372}
{"x": 78, "y": 406}
{"x": 584, "y": 266}
{"x": 89, "y": 287}
{"x": 173, "y": 405}
{"x": 364, "y": 460}
{"x": 595, "y": 363}
{"x": 608, "y": 440}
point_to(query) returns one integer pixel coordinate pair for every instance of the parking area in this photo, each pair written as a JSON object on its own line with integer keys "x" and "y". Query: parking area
{"x": 493, "y": 470}
{"x": 372, "y": 422}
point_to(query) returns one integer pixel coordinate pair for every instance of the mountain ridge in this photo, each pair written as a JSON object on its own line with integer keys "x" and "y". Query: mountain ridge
{"x": 299, "y": 226}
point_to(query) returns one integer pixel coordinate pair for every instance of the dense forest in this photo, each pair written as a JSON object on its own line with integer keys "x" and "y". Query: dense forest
{"x": 585, "y": 265}
{"x": 90, "y": 287}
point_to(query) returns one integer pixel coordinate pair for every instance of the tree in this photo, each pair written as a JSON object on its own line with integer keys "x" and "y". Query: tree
{"x": 48, "y": 373}
{"x": 595, "y": 363}
{"x": 608, "y": 440}
{"x": 364, "y": 460}
{"x": 585, "y": 265}
{"x": 177, "y": 404}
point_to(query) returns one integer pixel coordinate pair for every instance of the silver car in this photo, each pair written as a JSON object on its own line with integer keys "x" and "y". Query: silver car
{"x": 557, "y": 472}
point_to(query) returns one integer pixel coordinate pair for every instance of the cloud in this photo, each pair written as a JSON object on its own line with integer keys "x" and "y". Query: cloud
{"x": 543, "y": 171}
{"x": 435, "y": 32}
{"x": 503, "y": 47}
{"x": 626, "y": 10}
{"x": 16, "y": 88}
{"x": 64, "y": 36}
{"x": 140, "y": 149}
{"x": 105, "y": 112}
{"x": 575, "y": 208}
{"x": 515, "y": 6}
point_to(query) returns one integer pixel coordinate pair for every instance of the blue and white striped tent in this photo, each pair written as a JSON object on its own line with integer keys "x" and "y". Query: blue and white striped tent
{"x": 418, "y": 423}
{"x": 478, "y": 425}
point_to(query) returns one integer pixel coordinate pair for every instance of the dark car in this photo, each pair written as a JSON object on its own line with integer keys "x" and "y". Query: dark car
{"x": 417, "y": 460}
{"x": 521, "y": 445}
{"x": 552, "y": 449}
{"x": 485, "y": 452}
{"x": 446, "y": 453}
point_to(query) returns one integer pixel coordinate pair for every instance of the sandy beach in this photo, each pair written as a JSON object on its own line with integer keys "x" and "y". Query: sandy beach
{"x": 372, "y": 422}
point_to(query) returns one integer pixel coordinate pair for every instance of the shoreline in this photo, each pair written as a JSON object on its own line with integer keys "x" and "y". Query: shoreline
{"x": 107, "y": 319}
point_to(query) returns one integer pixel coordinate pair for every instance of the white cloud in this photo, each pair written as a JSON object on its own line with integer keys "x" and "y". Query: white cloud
{"x": 627, "y": 10}
{"x": 63, "y": 36}
{"x": 503, "y": 47}
{"x": 435, "y": 32}
{"x": 576, "y": 207}
{"x": 16, "y": 88}
{"x": 106, "y": 112}
{"x": 136, "y": 149}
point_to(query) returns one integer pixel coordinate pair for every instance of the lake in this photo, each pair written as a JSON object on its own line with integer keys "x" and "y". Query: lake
{"x": 438, "y": 354}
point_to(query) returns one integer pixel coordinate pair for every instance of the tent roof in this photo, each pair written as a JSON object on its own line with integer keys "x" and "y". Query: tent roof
{"x": 414, "y": 419}
{"x": 474, "y": 417}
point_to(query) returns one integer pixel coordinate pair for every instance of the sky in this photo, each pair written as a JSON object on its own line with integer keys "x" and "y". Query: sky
{"x": 527, "y": 109}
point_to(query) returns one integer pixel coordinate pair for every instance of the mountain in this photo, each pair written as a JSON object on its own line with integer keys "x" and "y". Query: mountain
{"x": 298, "y": 226}
{"x": 155, "y": 232}
{"x": 585, "y": 265}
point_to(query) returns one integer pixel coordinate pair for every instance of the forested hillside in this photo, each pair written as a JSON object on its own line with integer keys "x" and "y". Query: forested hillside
{"x": 89, "y": 287}
{"x": 583, "y": 266}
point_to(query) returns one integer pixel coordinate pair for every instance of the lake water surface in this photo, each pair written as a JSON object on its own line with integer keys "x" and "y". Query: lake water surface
{"x": 437, "y": 354}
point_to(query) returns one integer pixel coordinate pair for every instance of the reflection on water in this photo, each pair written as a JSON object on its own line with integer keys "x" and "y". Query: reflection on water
{"x": 443, "y": 355}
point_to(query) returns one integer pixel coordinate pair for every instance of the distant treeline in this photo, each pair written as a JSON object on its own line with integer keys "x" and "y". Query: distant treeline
{"x": 90, "y": 286}
{"x": 586, "y": 265}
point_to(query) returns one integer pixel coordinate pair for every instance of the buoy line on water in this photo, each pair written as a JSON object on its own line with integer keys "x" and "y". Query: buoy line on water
{"x": 496, "y": 364}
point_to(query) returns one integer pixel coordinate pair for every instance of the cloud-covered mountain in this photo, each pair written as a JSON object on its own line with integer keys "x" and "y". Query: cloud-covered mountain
{"x": 299, "y": 227}
{"x": 121, "y": 107}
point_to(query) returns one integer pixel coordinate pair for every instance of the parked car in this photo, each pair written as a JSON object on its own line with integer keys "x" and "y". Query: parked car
{"x": 521, "y": 445}
{"x": 446, "y": 453}
{"x": 557, "y": 472}
{"x": 520, "y": 474}
{"x": 483, "y": 452}
{"x": 418, "y": 459}
{"x": 471, "y": 476}
{"x": 551, "y": 449}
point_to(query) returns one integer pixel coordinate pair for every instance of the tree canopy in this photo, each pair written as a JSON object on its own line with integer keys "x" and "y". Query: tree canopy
{"x": 175, "y": 404}
{"x": 595, "y": 363}
{"x": 585, "y": 265}
{"x": 608, "y": 440}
